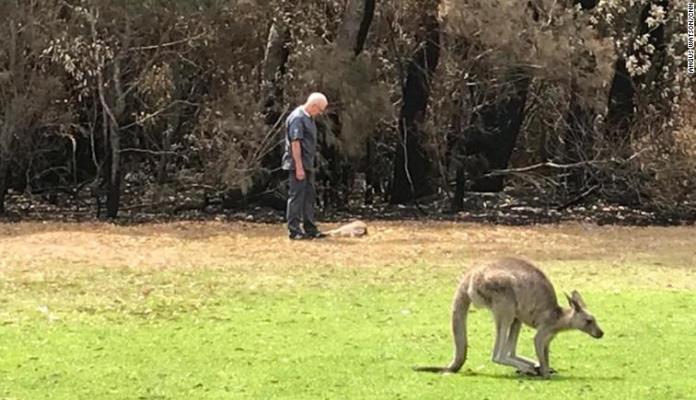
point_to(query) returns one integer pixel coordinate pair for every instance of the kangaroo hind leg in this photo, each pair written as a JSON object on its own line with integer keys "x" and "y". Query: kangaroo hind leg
{"x": 503, "y": 345}
{"x": 513, "y": 338}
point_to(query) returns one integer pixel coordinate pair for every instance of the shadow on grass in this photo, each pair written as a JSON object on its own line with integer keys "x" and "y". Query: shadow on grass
{"x": 520, "y": 377}
{"x": 555, "y": 377}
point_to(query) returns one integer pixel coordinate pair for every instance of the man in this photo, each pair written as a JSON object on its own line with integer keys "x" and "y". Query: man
{"x": 298, "y": 160}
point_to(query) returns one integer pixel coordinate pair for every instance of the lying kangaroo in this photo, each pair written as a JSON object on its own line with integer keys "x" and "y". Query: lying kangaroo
{"x": 516, "y": 292}
{"x": 353, "y": 229}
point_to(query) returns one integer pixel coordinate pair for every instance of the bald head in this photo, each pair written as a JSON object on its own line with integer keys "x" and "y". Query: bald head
{"x": 316, "y": 104}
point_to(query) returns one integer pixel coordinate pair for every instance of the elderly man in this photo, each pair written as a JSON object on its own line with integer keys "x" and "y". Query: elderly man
{"x": 298, "y": 160}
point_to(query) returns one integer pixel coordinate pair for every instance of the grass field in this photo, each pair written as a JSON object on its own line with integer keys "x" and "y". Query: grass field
{"x": 236, "y": 311}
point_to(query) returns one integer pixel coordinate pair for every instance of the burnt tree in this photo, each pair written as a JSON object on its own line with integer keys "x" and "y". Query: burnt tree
{"x": 350, "y": 42}
{"x": 622, "y": 95}
{"x": 352, "y": 33}
{"x": 496, "y": 127}
{"x": 412, "y": 167}
{"x": 578, "y": 135}
{"x": 273, "y": 69}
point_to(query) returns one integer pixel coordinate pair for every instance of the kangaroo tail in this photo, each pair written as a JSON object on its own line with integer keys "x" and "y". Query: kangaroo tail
{"x": 460, "y": 310}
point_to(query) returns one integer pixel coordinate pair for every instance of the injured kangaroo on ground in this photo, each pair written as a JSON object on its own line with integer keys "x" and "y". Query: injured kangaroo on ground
{"x": 516, "y": 292}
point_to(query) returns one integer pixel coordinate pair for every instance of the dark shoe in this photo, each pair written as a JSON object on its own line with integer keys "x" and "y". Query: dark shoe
{"x": 315, "y": 235}
{"x": 298, "y": 236}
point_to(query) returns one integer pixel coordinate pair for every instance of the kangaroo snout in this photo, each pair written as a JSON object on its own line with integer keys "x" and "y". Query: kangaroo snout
{"x": 598, "y": 334}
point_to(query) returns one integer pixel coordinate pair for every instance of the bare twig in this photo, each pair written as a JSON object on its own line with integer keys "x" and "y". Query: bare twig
{"x": 153, "y": 152}
{"x": 408, "y": 173}
{"x": 551, "y": 164}
{"x": 578, "y": 198}
{"x": 548, "y": 164}
{"x": 267, "y": 142}
{"x": 158, "y": 112}
{"x": 170, "y": 44}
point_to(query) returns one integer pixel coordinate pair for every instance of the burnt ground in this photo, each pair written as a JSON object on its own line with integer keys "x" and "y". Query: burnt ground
{"x": 505, "y": 208}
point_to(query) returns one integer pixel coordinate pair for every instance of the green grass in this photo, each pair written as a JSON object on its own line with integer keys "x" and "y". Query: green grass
{"x": 328, "y": 332}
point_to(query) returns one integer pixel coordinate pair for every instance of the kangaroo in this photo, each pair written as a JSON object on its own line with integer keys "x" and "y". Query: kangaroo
{"x": 353, "y": 229}
{"x": 516, "y": 292}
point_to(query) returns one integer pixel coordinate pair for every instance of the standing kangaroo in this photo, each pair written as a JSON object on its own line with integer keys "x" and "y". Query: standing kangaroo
{"x": 516, "y": 292}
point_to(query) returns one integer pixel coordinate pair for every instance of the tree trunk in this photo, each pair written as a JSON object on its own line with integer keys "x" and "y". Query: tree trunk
{"x": 498, "y": 126}
{"x": 272, "y": 97}
{"x": 659, "y": 40}
{"x": 578, "y": 139}
{"x": 621, "y": 105}
{"x": 183, "y": 90}
{"x": 411, "y": 164}
{"x": 4, "y": 181}
{"x": 350, "y": 41}
{"x": 274, "y": 66}
{"x": 113, "y": 193}
{"x": 7, "y": 134}
{"x": 355, "y": 25}
{"x": 164, "y": 155}
{"x": 453, "y": 156}
{"x": 579, "y": 133}
{"x": 459, "y": 189}
{"x": 371, "y": 182}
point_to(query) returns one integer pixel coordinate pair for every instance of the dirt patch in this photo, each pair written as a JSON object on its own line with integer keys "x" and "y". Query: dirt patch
{"x": 24, "y": 246}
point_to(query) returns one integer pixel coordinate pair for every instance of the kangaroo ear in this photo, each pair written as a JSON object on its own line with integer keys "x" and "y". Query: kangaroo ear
{"x": 571, "y": 302}
{"x": 575, "y": 296}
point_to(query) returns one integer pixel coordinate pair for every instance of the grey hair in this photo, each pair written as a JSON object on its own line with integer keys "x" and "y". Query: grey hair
{"x": 317, "y": 97}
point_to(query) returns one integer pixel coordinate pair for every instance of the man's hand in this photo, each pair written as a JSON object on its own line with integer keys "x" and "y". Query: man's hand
{"x": 300, "y": 174}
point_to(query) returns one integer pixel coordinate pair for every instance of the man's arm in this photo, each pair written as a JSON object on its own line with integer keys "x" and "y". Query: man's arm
{"x": 296, "y": 133}
{"x": 297, "y": 156}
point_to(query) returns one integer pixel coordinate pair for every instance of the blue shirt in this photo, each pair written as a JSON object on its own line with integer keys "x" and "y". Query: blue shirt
{"x": 300, "y": 126}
